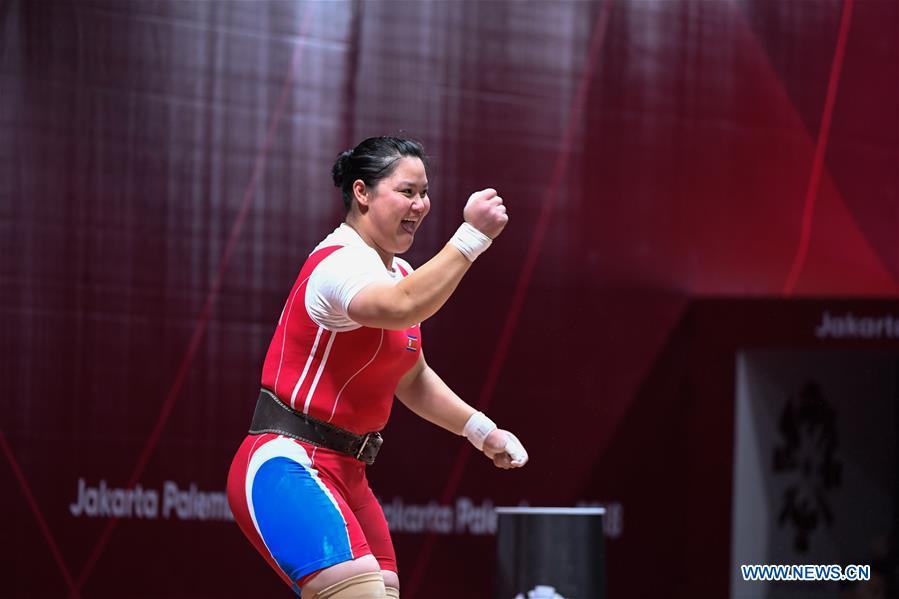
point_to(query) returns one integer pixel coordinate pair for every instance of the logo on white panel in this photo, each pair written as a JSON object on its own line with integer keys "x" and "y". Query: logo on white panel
{"x": 808, "y": 456}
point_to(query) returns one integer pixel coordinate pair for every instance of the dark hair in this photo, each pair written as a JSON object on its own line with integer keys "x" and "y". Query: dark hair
{"x": 372, "y": 160}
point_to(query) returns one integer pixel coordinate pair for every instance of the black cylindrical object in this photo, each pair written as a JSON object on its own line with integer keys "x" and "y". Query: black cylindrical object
{"x": 550, "y": 553}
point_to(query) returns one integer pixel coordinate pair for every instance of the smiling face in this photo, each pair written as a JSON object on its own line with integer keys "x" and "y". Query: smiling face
{"x": 387, "y": 215}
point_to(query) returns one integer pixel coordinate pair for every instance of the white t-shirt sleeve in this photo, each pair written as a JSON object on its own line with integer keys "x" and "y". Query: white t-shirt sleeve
{"x": 336, "y": 281}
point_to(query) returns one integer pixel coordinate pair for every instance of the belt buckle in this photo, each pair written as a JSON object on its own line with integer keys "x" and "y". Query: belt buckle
{"x": 365, "y": 440}
{"x": 375, "y": 440}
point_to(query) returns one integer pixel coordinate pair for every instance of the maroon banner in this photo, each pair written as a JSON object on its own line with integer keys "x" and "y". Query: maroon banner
{"x": 676, "y": 174}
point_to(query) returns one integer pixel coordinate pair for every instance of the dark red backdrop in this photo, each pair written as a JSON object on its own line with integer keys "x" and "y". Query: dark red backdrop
{"x": 165, "y": 171}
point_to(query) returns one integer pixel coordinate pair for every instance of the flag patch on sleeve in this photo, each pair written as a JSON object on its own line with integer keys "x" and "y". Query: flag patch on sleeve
{"x": 411, "y": 343}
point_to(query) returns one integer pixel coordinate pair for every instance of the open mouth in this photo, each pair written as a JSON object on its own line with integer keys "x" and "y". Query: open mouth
{"x": 409, "y": 225}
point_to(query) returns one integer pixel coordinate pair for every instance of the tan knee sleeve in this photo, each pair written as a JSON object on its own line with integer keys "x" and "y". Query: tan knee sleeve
{"x": 393, "y": 592}
{"x": 363, "y": 586}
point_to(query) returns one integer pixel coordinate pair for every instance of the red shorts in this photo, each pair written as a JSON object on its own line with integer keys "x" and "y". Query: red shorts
{"x": 305, "y": 508}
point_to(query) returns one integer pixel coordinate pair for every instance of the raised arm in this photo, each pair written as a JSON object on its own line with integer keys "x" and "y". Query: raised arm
{"x": 421, "y": 294}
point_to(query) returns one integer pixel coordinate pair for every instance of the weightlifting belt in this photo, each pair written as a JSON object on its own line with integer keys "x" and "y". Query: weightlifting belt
{"x": 274, "y": 416}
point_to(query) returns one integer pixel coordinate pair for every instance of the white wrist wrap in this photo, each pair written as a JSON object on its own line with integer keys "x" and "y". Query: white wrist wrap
{"x": 477, "y": 428}
{"x": 470, "y": 241}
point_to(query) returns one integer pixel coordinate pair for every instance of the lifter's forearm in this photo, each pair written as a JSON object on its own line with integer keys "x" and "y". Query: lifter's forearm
{"x": 432, "y": 399}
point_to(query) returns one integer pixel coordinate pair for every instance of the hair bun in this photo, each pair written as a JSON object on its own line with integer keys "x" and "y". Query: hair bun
{"x": 341, "y": 165}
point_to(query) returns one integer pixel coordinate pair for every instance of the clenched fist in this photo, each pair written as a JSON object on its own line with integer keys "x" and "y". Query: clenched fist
{"x": 505, "y": 450}
{"x": 486, "y": 212}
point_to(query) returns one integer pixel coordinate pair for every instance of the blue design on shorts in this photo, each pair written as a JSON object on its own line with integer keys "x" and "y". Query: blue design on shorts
{"x": 300, "y": 525}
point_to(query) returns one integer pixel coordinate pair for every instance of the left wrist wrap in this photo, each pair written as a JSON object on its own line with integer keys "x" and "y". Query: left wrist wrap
{"x": 477, "y": 428}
